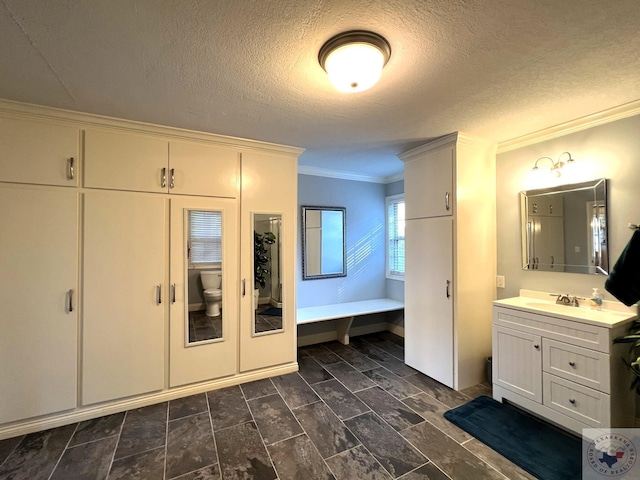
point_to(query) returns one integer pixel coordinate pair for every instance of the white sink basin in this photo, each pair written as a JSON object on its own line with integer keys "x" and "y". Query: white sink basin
{"x": 607, "y": 318}
{"x": 578, "y": 312}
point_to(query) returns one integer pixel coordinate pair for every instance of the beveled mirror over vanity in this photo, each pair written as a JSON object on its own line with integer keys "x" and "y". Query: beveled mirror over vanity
{"x": 564, "y": 228}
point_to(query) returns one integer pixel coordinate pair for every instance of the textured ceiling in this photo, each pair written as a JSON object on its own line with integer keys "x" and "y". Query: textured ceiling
{"x": 248, "y": 68}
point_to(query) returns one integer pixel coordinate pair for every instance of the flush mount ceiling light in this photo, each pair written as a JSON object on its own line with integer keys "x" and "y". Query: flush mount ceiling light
{"x": 354, "y": 60}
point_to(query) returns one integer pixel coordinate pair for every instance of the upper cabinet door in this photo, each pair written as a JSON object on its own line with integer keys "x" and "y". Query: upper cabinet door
{"x": 428, "y": 181}
{"x": 204, "y": 170}
{"x": 125, "y": 161}
{"x": 41, "y": 153}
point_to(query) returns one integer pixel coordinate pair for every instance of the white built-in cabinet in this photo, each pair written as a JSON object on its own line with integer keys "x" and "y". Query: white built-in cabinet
{"x": 567, "y": 371}
{"x": 124, "y": 294}
{"x": 150, "y": 163}
{"x": 450, "y": 258}
{"x": 93, "y": 272}
{"x": 38, "y": 295}
{"x": 190, "y": 363}
{"x": 269, "y": 186}
{"x": 38, "y": 152}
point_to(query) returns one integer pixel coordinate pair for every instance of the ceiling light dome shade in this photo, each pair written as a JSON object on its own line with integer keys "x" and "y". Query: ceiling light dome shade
{"x": 354, "y": 60}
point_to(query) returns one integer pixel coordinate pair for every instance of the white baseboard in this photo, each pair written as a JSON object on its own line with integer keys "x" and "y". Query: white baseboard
{"x": 196, "y": 307}
{"x": 95, "y": 411}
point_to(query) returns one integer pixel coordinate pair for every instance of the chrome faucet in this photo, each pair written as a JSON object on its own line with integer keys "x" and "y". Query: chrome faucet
{"x": 566, "y": 299}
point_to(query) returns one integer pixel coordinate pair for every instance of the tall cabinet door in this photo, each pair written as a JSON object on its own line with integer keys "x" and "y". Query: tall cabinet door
{"x": 203, "y": 347}
{"x": 125, "y": 294}
{"x": 38, "y": 293}
{"x": 269, "y": 196}
{"x": 429, "y": 338}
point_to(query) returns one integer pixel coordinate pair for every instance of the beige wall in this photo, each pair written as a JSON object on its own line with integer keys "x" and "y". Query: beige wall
{"x": 611, "y": 150}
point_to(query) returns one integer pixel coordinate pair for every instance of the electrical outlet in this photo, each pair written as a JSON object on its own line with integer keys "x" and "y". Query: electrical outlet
{"x": 500, "y": 281}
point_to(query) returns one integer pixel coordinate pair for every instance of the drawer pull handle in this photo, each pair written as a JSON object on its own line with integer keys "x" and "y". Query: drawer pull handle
{"x": 572, "y": 401}
{"x": 573, "y": 364}
{"x": 537, "y": 347}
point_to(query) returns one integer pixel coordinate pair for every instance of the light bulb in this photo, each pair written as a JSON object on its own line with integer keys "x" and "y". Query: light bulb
{"x": 354, "y": 67}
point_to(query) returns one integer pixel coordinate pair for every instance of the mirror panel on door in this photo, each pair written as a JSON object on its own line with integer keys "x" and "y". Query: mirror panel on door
{"x": 267, "y": 273}
{"x": 204, "y": 273}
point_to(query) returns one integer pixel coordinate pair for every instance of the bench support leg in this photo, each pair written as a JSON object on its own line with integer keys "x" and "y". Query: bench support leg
{"x": 344, "y": 324}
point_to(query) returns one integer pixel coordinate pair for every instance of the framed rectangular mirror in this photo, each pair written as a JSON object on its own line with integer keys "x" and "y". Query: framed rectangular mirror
{"x": 564, "y": 228}
{"x": 323, "y": 242}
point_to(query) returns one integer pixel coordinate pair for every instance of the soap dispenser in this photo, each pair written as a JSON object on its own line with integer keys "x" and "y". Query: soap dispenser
{"x": 595, "y": 302}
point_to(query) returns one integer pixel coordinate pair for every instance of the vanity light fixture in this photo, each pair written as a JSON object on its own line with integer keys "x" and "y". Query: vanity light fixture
{"x": 556, "y": 165}
{"x": 354, "y": 59}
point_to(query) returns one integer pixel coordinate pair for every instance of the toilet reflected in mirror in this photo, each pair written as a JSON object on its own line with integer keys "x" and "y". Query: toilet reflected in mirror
{"x": 205, "y": 275}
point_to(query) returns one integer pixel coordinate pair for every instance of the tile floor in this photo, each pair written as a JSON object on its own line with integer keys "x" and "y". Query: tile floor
{"x": 351, "y": 412}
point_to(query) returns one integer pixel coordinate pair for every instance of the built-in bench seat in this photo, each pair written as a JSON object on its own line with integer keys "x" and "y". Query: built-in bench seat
{"x": 344, "y": 313}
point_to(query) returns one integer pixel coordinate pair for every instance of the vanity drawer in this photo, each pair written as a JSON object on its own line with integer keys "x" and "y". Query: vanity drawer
{"x": 580, "y": 403}
{"x": 586, "y": 367}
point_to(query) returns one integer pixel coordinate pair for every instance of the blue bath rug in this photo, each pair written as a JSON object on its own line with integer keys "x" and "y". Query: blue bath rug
{"x": 534, "y": 445}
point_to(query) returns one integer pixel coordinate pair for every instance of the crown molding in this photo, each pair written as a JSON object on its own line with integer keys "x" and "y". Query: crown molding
{"x": 329, "y": 173}
{"x": 605, "y": 116}
{"x": 84, "y": 120}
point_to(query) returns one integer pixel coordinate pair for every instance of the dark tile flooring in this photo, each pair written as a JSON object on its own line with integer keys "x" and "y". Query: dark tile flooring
{"x": 352, "y": 412}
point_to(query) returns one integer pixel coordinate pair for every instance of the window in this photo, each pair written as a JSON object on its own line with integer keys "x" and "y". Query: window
{"x": 395, "y": 237}
{"x": 205, "y": 238}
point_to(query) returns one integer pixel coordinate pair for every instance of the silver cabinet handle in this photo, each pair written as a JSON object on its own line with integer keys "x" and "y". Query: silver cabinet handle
{"x": 159, "y": 294}
{"x": 163, "y": 177}
{"x": 446, "y": 201}
{"x": 173, "y": 178}
{"x": 70, "y": 169}
{"x": 447, "y": 290}
{"x": 173, "y": 293}
{"x": 244, "y": 287}
{"x": 70, "y": 301}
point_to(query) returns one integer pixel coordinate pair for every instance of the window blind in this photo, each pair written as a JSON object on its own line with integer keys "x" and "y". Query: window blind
{"x": 205, "y": 237}
{"x": 395, "y": 215}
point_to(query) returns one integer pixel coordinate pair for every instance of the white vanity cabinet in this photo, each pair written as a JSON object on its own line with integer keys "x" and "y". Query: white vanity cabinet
{"x": 144, "y": 162}
{"x": 450, "y": 258}
{"x": 38, "y": 152}
{"x": 39, "y": 299}
{"x": 567, "y": 371}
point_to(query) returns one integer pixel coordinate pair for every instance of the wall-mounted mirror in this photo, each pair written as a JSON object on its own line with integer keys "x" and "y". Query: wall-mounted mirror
{"x": 564, "y": 228}
{"x": 267, "y": 273}
{"x": 323, "y": 242}
{"x": 204, "y": 274}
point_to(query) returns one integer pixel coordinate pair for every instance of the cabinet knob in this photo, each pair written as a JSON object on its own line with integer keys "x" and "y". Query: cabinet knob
{"x": 573, "y": 364}
{"x": 572, "y": 401}
{"x": 537, "y": 347}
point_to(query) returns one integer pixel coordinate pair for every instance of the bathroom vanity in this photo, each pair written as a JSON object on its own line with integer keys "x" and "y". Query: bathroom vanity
{"x": 559, "y": 361}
